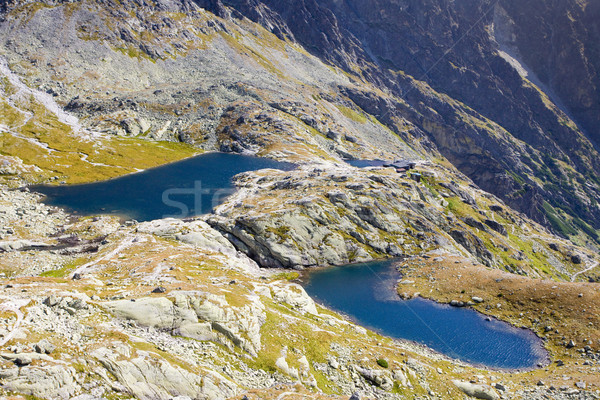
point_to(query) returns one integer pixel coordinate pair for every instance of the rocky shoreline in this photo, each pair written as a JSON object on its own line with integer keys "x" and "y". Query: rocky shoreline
{"x": 189, "y": 308}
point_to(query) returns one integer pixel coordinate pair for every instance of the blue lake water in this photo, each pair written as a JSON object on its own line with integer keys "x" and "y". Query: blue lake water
{"x": 183, "y": 189}
{"x": 366, "y": 293}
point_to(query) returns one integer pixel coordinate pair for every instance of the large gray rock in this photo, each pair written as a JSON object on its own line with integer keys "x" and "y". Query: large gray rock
{"x": 157, "y": 312}
{"x": 295, "y": 296}
{"x": 196, "y": 233}
{"x": 150, "y": 378}
{"x": 239, "y": 325}
{"x": 477, "y": 391}
{"x": 53, "y": 381}
{"x": 201, "y": 316}
{"x": 380, "y": 378}
{"x": 44, "y": 347}
{"x": 16, "y": 245}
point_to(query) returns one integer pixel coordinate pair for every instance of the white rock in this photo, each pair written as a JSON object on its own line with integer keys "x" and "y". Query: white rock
{"x": 294, "y": 295}
{"x": 156, "y": 312}
{"x": 477, "y": 391}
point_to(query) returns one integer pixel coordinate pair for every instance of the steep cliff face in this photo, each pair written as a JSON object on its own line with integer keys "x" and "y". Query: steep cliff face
{"x": 457, "y": 50}
{"x": 558, "y": 40}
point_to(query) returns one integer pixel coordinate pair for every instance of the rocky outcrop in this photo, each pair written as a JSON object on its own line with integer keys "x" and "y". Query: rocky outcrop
{"x": 329, "y": 226}
{"x": 295, "y": 296}
{"x": 199, "y": 316}
{"x": 156, "y": 312}
{"x": 147, "y": 377}
{"x": 377, "y": 377}
{"x": 477, "y": 391}
{"x": 53, "y": 381}
{"x": 351, "y": 215}
{"x": 200, "y": 235}
{"x": 196, "y": 233}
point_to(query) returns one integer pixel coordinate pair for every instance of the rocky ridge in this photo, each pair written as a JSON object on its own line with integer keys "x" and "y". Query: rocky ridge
{"x": 333, "y": 215}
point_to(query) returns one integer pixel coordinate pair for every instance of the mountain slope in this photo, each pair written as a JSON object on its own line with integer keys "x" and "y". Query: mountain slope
{"x": 456, "y": 48}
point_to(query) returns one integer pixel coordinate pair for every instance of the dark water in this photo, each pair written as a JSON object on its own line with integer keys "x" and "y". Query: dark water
{"x": 366, "y": 163}
{"x": 182, "y": 189}
{"x": 365, "y": 292}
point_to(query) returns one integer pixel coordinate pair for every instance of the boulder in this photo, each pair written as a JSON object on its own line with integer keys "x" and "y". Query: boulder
{"x": 472, "y": 222}
{"x": 496, "y": 208}
{"x": 52, "y": 300}
{"x": 478, "y": 391}
{"x": 295, "y": 296}
{"x": 379, "y": 378}
{"x": 496, "y": 226}
{"x": 238, "y": 325}
{"x": 146, "y": 377}
{"x": 53, "y": 381}
{"x": 16, "y": 245}
{"x": 457, "y": 303}
{"x": 156, "y": 312}
{"x": 44, "y": 347}
{"x": 400, "y": 376}
{"x": 195, "y": 233}
{"x": 200, "y": 316}
{"x": 22, "y": 359}
{"x": 199, "y": 331}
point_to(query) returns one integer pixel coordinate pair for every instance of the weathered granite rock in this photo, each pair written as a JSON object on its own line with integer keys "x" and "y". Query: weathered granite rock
{"x": 477, "y": 391}
{"x": 201, "y": 316}
{"x": 295, "y": 296}
{"x": 378, "y": 377}
{"x": 52, "y": 381}
{"x": 196, "y": 233}
{"x": 157, "y": 312}
{"x": 147, "y": 377}
{"x": 44, "y": 347}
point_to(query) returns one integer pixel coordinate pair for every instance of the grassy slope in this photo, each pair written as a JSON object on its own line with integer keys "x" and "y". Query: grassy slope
{"x": 38, "y": 138}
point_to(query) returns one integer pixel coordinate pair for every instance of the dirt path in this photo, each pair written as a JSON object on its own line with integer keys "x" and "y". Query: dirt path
{"x": 128, "y": 241}
{"x": 583, "y": 271}
{"x": 14, "y": 306}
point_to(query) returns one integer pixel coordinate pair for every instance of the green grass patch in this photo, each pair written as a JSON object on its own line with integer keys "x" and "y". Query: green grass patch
{"x": 591, "y": 232}
{"x": 351, "y": 114}
{"x": 288, "y": 276}
{"x": 64, "y": 270}
{"x": 561, "y": 226}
